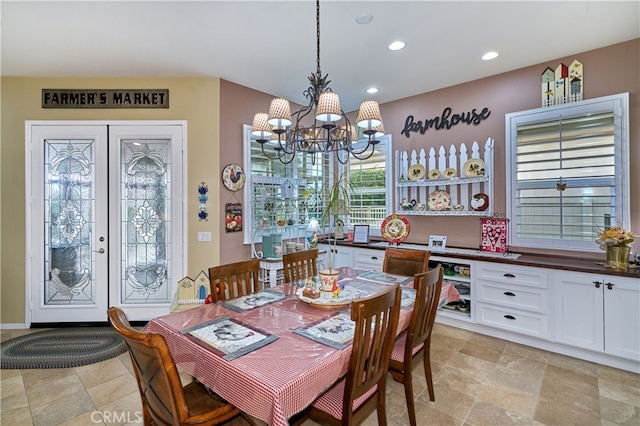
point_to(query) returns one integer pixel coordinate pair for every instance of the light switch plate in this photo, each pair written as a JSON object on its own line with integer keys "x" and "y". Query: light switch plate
{"x": 204, "y": 236}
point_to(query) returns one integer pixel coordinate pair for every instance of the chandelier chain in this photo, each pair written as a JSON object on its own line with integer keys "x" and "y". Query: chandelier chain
{"x": 319, "y": 73}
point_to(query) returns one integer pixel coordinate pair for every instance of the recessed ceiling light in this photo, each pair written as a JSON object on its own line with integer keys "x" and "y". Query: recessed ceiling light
{"x": 489, "y": 56}
{"x": 372, "y": 90}
{"x": 397, "y": 45}
{"x": 365, "y": 18}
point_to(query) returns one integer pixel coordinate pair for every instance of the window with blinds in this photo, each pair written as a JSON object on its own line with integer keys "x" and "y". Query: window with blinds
{"x": 567, "y": 173}
{"x": 370, "y": 181}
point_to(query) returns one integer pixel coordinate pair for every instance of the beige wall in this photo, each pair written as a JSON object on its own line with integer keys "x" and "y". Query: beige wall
{"x": 195, "y": 100}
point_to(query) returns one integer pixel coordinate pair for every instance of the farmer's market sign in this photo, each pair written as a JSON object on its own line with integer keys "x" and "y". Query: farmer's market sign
{"x": 445, "y": 121}
{"x": 105, "y": 98}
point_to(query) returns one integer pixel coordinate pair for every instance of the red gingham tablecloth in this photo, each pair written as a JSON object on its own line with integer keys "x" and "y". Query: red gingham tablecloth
{"x": 278, "y": 380}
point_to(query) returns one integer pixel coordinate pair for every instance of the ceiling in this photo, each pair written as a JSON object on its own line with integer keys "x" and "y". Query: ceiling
{"x": 271, "y": 45}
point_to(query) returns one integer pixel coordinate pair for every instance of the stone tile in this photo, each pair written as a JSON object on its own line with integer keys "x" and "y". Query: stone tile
{"x": 457, "y": 380}
{"x": 56, "y": 388}
{"x": 62, "y": 409}
{"x": 509, "y": 399}
{"x": 514, "y": 350}
{"x": 565, "y": 381}
{"x": 475, "y": 367}
{"x": 113, "y": 389}
{"x": 95, "y": 374}
{"x": 556, "y": 412}
{"x": 441, "y": 354}
{"x": 11, "y": 386}
{"x": 519, "y": 375}
{"x": 9, "y": 373}
{"x": 488, "y": 341}
{"x": 483, "y": 413}
{"x": 16, "y": 416}
{"x": 91, "y": 418}
{"x": 480, "y": 351}
{"x": 575, "y": 364}
{"x": 448, "y": 400}
{"x": 125, "y": 410}
{"x": 623, "y": 390}
{"x": 38, "y": 377}
{"x": 428, "y": 415}
{"x": 618, "y": 412}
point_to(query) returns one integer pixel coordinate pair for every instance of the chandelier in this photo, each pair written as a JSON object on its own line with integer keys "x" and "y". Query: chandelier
{"x": 329, "y": 131}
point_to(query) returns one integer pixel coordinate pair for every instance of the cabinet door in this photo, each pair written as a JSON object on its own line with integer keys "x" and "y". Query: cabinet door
{"x": 343, "y": 255}
{"x": 622, "y": 317}
{"x": 578, "y": 309}
{"x": 368, "y": 259}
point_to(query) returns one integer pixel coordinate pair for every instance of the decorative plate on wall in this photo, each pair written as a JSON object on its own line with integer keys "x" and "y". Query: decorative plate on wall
{"x": 474, "y": 167}
{"x": 480, "y": 202}
{"x": 434, "y": 174}
{"x": 395, "y": 229}
{"x": 439, "y": 200}
{"x": 233, "y": 177}
{"x": 416, "y": 172}
{"x": 449, "y": 173}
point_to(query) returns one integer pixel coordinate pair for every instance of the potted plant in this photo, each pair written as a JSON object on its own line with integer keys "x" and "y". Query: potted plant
{"x": 337, "y": 193}
{"x": 615, "y": 241}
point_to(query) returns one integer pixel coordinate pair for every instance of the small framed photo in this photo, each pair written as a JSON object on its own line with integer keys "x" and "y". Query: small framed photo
{"x": 360, "y": 234}
{"x": 437, "y": 243}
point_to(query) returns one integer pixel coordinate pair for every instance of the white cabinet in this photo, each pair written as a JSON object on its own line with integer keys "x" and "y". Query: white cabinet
{"x": 343, "y": 255}
{"x": 598, "y": 312}
{"x": 370, "y": 259}
{"x": 514, "y": 298}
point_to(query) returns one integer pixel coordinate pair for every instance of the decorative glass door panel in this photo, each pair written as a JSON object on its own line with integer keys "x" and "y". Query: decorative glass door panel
{"x": 105, "y": 227}
{"x": 145, "y": 224}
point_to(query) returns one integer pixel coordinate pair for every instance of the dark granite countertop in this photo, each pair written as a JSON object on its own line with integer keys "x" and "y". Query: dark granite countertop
{"x": 567, "y": 263}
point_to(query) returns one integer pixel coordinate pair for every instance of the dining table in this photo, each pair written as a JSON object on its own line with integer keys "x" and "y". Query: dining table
{"x": 273, "y": 353}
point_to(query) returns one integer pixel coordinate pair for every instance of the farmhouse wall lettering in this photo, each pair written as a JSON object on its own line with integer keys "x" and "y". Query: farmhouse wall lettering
{"x": 105, "y": 98}
{"x": 445, "y": 121}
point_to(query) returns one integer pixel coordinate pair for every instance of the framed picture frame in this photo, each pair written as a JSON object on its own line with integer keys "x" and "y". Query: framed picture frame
{"x": 437, "y": 243}
{"x": 494, "y": 235}
{"x": 360, "y": 234}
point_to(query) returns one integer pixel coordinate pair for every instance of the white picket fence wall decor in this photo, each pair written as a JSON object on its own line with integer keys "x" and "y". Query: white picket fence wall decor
{"x": 461, "y": 188}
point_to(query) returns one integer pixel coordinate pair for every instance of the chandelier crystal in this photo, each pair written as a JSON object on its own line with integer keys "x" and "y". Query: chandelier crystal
{"x": 319, "y": 127}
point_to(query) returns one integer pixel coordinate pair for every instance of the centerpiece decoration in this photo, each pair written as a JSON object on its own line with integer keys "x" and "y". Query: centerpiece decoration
{"x": 337, "y": 193}
{"x": 615, "y": 241}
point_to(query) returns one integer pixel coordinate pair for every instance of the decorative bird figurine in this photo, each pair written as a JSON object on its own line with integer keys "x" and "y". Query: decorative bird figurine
{"x": 335, "y": 290}
{"x": 235, "y": 176}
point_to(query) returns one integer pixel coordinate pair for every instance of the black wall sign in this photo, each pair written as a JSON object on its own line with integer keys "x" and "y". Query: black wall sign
{"x": 105, "y": 98}
{"x": 445, "y": 121}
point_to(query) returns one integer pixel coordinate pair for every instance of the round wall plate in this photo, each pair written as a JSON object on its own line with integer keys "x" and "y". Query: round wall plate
{"x": 233, "y": 177}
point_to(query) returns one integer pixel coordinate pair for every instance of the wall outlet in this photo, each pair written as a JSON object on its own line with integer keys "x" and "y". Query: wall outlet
{"x": 204, "y": 236}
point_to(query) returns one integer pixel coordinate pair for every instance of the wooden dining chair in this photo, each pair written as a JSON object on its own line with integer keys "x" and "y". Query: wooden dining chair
{"x": 234, "y": 279}
{"x": 300, "y": 265}
{"x": 362, "y": 389}
{"x": 405, "y": 262}
{"x": 164, "y": 400}
{"x": 415, "y": 342}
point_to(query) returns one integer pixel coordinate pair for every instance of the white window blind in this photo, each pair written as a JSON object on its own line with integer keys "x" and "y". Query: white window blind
{"x": 568, "y": 173}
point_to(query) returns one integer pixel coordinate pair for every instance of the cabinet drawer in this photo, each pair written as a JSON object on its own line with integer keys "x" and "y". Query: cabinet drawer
{"x": 369, "y": 259}
{"x": 521, "y": 275}
{"x": 513, "y": 296}
{"x": 513, "y": 320}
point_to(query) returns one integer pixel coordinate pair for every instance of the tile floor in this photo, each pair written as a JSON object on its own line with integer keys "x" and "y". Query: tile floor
{"x": 478, "y": 380}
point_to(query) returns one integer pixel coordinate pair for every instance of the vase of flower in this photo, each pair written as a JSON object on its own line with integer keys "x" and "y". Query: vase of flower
{"x": 615, "y": 242}
{"x": 618, "y": 256}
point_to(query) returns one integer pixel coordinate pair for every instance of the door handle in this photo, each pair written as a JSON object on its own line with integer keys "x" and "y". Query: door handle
{"x": 99, "y": 251}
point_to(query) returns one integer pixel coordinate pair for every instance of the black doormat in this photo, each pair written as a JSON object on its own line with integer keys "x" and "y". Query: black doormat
{"x": 61, "y": 348}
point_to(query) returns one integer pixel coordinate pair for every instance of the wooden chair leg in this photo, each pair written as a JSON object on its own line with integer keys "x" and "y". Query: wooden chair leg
{"x": 427, "y": 371}
{"x": 408, "y": 393}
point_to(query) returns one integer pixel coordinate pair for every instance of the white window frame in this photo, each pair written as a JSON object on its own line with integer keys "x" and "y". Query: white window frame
{"x": 619, "y": 104}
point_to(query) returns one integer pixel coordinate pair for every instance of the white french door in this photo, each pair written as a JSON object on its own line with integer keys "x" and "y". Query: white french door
{"x": 105, "y": 219}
